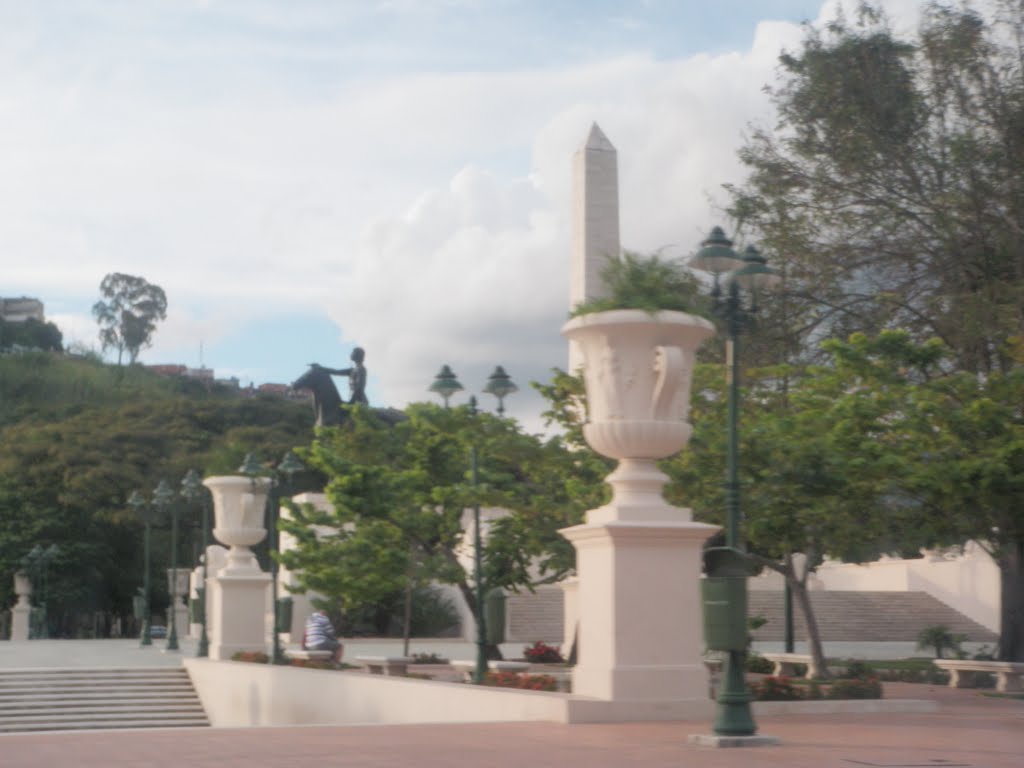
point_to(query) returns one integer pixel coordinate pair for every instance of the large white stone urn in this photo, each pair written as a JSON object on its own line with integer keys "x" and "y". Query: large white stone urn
{"x": 637, "y": 368}
{"x": 239, "y": 510}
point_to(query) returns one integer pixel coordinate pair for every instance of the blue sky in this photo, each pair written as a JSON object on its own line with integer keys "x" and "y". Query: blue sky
{"x": 301, "y": 177}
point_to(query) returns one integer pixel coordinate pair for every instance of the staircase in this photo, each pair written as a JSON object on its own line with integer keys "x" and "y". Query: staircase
{"x": 77, "y": 699}
{"x": 865, "y": 617}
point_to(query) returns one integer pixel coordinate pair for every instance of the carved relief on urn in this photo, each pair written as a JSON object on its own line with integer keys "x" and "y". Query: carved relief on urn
{"x": 637, "y": 367}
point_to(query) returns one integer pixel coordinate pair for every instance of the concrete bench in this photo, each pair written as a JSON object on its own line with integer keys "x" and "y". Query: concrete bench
{"x": 394, "y": 666}
{"x": 467, "y": 668}
{"x": 785, "y": 664}
{"x": 302, "y": 653}
{"x": 963, "y": 673}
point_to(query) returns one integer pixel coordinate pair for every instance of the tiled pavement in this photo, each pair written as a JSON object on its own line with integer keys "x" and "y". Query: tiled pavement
{"x": 969, "y": 730}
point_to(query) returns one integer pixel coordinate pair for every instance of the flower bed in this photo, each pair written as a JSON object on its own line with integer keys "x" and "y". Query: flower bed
{"x": 521, "y": 681}
{"x": 784, "y": 689}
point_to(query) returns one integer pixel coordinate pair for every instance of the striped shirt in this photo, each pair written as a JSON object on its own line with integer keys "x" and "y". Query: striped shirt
{"x": 319, "y": 631}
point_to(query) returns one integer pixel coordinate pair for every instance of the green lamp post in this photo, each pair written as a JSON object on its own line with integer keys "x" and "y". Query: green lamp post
{"x": 500, "y": 385}
{"x": 726, "y": 567}
{"x": 141, "y": 508}
{"x": 163, "y": 499}
{"x": 192, "y": 491}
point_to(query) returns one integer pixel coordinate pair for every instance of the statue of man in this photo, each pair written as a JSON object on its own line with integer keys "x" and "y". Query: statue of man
{"x": 356, "y": 376}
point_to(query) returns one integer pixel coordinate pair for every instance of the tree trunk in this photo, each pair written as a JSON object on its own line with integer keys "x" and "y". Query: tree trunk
{"x": 800, "y": 594}
{"x": 1011, "y": 613}
{"x": 407, "y": 618}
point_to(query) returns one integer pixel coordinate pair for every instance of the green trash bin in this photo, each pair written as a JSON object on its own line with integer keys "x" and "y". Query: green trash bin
{"x": 284, "y": 614}
{"x": 725, "y": 612}
{"x": 197, "y": 606}
{"x": 494, "y": 616}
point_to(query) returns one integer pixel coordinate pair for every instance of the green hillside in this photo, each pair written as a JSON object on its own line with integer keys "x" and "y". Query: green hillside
{"x": 78, "y": 436}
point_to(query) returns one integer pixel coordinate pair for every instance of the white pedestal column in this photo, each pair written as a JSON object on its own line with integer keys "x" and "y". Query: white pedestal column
{"x": 21, "y": 612}
{"x": 240, "y": 594}
{"x": 640, "y": 634}
{"x": 238, "y": 604}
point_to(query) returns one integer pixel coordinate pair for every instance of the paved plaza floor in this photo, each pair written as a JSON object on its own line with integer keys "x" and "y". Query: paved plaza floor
{"x": 970, "y": 730}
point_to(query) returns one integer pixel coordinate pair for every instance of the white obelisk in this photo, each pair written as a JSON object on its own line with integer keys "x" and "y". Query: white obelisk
{"x": 595, "y": 222}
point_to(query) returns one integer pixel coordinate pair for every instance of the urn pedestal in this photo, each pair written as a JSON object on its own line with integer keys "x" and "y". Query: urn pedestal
{"x": 239, "y": 592}
{"x": 22, "y": 610}
{"x": 638, "y": 558}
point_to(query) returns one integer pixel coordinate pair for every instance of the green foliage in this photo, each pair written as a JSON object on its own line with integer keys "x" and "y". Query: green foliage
{"x": 758, "y": 664}
{"x": 128, "y": 313}
{"x": 890, "y": 187}
{"x": 859, "y": 688}
{"x": 400, "y": 496}
{"x": 77, "y": 437}
{"x": 30, "y": 334}
{"x": 775, "y": 689}
{"x": 941, "y": 639}
{"x": 648, "y": 283}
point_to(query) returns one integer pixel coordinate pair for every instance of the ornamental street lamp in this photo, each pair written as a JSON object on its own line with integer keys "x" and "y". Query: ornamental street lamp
{"x": 288, "y": 467}
{"x": 751, "y": 274}
{"x": 500, "y": 385}
{"x": 192, "y": 490}
{"x": 142, "y": 509}
{"x": 163, "y": 499}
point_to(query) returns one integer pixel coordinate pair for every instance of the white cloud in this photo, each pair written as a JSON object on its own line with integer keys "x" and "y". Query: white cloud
{"x": 426, "y": 213}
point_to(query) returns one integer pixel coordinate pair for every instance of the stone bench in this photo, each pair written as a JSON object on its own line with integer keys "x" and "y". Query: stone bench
{"x": 302, "y": 653}
{"x": 393, "y": 666}
{"x": 963, "y": 673}
{"x": 785, "y": 664}
{"x": 467, "y": 668}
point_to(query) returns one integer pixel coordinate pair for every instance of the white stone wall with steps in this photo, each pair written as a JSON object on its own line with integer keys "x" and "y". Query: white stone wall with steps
{"x": 80, "y": 699}
{"x": 868, "y": 616}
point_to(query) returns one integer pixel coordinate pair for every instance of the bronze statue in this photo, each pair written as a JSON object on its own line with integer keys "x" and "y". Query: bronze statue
{"x": 328, "y": 406}
{"x": 356, "y": 376}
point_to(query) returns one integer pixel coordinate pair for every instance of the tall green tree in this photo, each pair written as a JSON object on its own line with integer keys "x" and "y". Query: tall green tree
{"x": 400, "y": 501}
{"x": 891, "y": 189}
{"x": 128, "y": 313}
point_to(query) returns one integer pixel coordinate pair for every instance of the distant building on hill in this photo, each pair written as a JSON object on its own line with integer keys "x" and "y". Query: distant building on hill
{"x": 21, "y": 309}
{"x": 206, "y": 375}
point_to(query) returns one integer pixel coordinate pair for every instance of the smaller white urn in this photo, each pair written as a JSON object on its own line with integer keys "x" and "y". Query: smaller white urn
{"x": 23, "y": 589}
{"x": 239, "y": 511}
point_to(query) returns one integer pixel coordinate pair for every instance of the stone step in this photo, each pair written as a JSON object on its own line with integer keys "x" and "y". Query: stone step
{"x": 75, "y": 699}
{"x": 864, "y": 616}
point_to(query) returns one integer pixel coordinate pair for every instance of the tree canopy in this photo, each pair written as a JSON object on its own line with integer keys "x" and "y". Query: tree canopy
{"x": 891, "y": 189}
{"x": 128, "y": 313}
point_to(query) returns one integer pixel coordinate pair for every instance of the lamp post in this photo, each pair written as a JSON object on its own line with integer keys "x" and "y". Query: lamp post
{"x": 500, "y": 385}
{"x": 163, "y": 499}
{"x": 141, "y": 508}
{"x": 750, "y": 274}
{"x": 192, "y": 491}
{"x": 288, "y": 467}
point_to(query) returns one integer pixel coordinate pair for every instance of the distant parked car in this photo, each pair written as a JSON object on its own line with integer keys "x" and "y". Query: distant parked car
{"x": 158, "y": 631}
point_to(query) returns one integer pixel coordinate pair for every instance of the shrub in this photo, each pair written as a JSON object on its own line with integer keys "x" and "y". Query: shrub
{"x": 525, "y": 682}
{"x": 939, "y": 637}
{"x": 858, "y": 670}
{"x": 256, "y": 657}
{"x": 775, "y": 689}
{"x": 870, "y": 688}
{"x": 759, "y": 664}
{"x": 541, "y": 653}
{"x": 428, "y": 658}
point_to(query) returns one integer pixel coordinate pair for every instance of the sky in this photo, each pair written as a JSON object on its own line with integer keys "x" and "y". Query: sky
{"x": 305, "y": 176}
